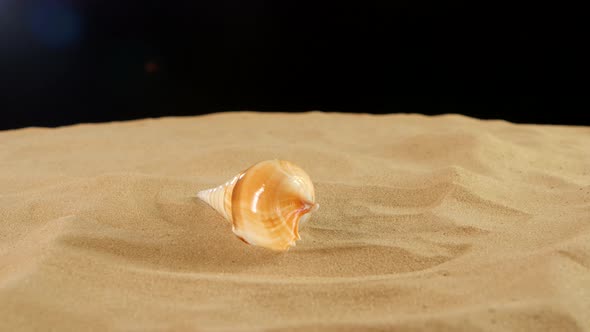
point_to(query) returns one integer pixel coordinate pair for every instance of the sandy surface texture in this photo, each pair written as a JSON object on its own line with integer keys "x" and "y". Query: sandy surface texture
{"x": 442, "y": 223}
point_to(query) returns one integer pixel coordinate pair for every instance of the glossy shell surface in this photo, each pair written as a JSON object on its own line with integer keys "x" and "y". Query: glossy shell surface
{"x": 265, "y": 203}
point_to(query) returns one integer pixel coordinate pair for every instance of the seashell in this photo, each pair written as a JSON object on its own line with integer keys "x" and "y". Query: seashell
{"x": 265, "y": 203}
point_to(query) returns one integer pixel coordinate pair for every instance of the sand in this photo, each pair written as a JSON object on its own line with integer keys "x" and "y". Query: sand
{"x": 442, "y": 223}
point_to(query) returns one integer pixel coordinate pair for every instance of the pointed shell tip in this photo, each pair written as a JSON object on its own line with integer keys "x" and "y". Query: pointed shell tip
{"x": 201, "y": 194}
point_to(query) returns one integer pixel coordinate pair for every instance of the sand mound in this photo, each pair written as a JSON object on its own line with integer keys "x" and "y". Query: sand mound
{"x": 426, "y": 223}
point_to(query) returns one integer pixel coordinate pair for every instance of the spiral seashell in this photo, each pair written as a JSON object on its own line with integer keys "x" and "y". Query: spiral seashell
{"x": 265, "y": 203}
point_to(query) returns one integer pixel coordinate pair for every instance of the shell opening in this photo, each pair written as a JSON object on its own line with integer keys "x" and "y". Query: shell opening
{"x": 310, "y": 206}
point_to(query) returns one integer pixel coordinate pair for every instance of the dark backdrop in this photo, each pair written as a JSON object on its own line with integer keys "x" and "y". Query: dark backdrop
{"x": 70, "y": 61}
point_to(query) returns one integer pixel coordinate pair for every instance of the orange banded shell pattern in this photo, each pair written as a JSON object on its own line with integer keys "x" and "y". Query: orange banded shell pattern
{"x": 265, "y": 203}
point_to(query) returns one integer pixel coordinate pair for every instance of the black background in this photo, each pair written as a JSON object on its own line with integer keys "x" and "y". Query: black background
{"x": 135, "y": 59}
